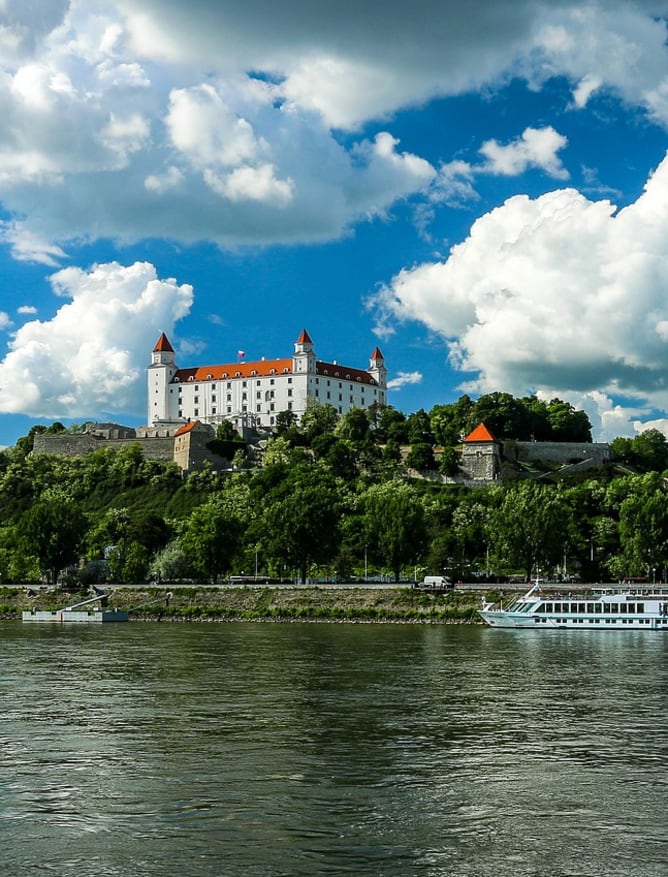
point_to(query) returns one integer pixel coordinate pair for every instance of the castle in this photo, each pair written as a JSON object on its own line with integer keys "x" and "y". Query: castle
{"x": 251, "y": 394}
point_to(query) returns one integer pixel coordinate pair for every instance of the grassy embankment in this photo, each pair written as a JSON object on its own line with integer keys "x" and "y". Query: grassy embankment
{"x": 266, "y": 604}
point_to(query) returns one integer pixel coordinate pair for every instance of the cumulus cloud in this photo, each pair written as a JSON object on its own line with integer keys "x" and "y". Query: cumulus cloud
{"x": 537, "y": 147}
{"x": 557, "y": 294}
{"x": 92, "y": 354}
{"x": 193, "y": 122}
{"x": 404, "y": 379}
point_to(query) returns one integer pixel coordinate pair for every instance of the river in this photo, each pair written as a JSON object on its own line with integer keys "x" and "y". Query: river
{"x": 262, "y": 750}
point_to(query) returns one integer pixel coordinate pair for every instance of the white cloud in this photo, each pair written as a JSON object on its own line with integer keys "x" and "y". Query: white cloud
{"x": 404, "y": 379}
{"x": 150, "y": 104}
{"x": 26, "y": 309}
{"x": 5, "y": 320}
{"x": 28, "y": 246}
{"x": 92, "y": 354}
{"x": 536, "y": 147}
{"x": 558, "y": 294}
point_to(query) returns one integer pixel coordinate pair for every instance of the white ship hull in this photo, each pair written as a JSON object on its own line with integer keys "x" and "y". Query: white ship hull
{"x": 603, "y": 609}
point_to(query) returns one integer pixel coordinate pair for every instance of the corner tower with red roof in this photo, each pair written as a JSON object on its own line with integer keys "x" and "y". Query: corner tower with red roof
{"x": 481, "y": 455}
{"x": 252, "y": 393}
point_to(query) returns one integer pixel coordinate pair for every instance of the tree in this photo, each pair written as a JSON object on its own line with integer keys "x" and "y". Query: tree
{"x": 395, "y": 525}
{"x": 300, "y": 524}
{"x": 318, "y": 419}
{"x": 354, "y": 426}
{"x": 421, "y": 457}
{"x": 213, "y": 537}
{"x": 530, "y": 526}
{"x": 53, "y": 530}
{"x": 643, "y": 527}
{"x": 567, "y": 423}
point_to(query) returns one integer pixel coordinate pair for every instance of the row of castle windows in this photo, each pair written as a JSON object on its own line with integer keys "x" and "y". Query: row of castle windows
{"x": 244, "y": 409}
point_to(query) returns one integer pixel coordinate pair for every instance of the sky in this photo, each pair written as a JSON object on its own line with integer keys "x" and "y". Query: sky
{"x": 480, "y": 189}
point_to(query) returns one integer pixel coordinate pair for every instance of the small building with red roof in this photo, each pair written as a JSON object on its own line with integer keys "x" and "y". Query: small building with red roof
{"x": 481, "y": 455}
{"x": 252, "y": 393}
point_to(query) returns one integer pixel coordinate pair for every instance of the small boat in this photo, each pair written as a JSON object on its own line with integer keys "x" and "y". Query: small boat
{"x": 614, "y": 608}
{"x": 76, "y": 615}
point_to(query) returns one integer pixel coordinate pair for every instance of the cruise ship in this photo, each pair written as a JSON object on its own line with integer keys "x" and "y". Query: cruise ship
{"x": 606, "y": 608}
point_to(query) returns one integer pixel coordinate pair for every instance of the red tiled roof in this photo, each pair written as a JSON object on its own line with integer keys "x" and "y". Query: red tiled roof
{"x": 304, "y": 338}
{"x": 265, "y": 368}
{"x": 377, "y": 354}
{"x": 163, "y": 345}
{"x": 480, "y": 434}
{"x": 186, "y": 428}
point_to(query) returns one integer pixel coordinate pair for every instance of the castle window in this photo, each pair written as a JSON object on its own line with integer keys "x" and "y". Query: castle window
{"x": 340, "y": 384}
{"x": 229, "y": 409}
{"x": 224, "y": 375}
{"x": 348, "y": 378}
{"x": 271, "y": 406}
{"x": 209, "y": 377}
{"x": 336, "y": 374}
{"x": 253, "y": 372}
{"x": 176, "y": 380}
{"x": 289, "y": 380}
{"x": 258, "y": 395}
{"x": 325, "y": 372}
{"x": 285, "y": 371}
{"x": 213, "y": 398}
{"x": 359, "y": 379}
{"x": 272, "y": 371}
{"x": 237, "y": 374}
{"x": 196, "y": 412}
{"x": 213, "y": 410}
{"x": 258, "y": 408}
{"x": 196, "y": 399}
{"x": 191, "y": 378}
{"x": 340, "y": 396}
{"x": 289, "y": 406}
{"x": 244, "y": 384}
{"x": 196, "y": 387}
{"x": 290, "y": 391}
{"x": 271, "y": 381}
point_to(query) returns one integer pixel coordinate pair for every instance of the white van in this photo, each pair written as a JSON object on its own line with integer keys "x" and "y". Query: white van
{"x": 435, "y": 583}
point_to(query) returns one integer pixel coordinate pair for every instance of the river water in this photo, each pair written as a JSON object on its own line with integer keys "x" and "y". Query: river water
{"x": 262, "y": 750}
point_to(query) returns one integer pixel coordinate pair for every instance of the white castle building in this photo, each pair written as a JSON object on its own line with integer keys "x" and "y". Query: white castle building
{"x": 251, "y": 394}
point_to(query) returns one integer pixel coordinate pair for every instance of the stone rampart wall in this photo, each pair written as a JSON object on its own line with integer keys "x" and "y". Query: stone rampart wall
{"x": 556, "y": 452}
{"x": 160, "y": 449}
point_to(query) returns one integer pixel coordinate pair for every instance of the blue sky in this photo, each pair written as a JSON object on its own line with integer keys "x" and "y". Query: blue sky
{"x": 481, "y": 189}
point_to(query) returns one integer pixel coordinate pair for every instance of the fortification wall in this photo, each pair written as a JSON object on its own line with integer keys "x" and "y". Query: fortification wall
{"x": 157, "y": 448}
{"x": 556, "y": 452}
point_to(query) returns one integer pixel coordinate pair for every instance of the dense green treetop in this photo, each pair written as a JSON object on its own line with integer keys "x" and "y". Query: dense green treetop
{"x": 339, "y": 496}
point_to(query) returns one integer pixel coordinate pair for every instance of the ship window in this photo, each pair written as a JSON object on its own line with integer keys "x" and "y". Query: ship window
{"x": 590, "y": 607}
{"x": 582, "y": 607}
{"x": 598, "y": 608}
{"x": 640, "y": 608}
{"x": 622, "y": 608}
{"x": 613, "y": 608}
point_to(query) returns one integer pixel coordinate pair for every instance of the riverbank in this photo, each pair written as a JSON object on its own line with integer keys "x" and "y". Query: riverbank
{"x": 264, "y": 604}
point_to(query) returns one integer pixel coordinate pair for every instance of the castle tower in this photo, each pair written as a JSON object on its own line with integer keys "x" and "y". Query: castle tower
{"x": 481, "y": 456}
{"x": 162, "y": 402}
{"x": 377, "y": 369}
{"x": 303, "y": 359}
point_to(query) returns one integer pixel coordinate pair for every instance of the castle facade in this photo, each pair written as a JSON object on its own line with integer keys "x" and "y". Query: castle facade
{"x": 251, "y": 394}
